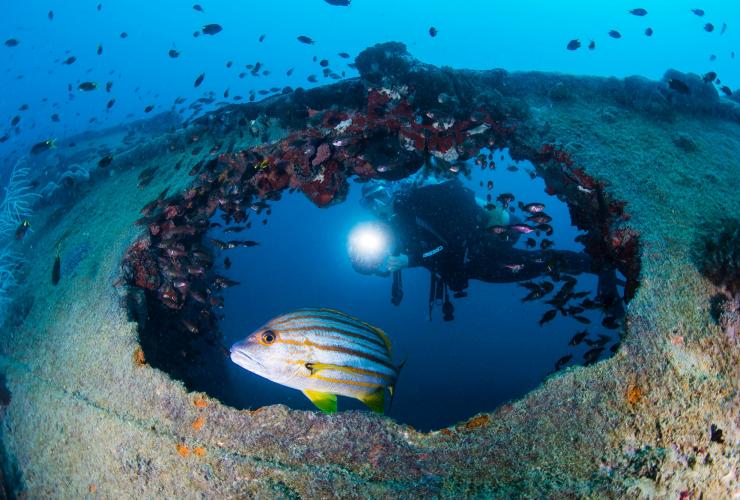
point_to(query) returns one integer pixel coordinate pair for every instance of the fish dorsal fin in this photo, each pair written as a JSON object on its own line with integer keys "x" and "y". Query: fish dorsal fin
{"x": 375, "y": 400}
{"x": 375, "y": 329}
{"x": 323, "y": 401}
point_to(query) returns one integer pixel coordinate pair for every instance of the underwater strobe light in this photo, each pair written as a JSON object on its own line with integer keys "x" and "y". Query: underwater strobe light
{"x": 369, "y": 246}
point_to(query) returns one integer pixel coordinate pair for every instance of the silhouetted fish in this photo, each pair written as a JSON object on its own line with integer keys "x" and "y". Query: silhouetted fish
{"x": 698, "y": 12}
{"x": 199, "y": 80}
{"x": 709, "y": 27}
{"x": 56, "y": 270}
{"x": 678, "y": 86}
{"x": 211, "y": 29}
{"x": 648, "y": 31}
{"x": 433, "y": 31}
{"x": 638, "y": 12}
{"x": 338, "y": 3}
{"x": 615, "y": 34}
{"x": 305, "y": 39}
{"x": 573, "y": 44}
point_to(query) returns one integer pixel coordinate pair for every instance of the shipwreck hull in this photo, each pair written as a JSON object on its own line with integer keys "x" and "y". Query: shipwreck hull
{"x": 94, "y": 408}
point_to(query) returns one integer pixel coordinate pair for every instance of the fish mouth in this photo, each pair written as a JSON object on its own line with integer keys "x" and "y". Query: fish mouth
{"x": 245, "y": 360}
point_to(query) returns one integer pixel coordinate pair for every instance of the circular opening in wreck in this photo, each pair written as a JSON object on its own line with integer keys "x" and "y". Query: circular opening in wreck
{"x": 521, "y": 302}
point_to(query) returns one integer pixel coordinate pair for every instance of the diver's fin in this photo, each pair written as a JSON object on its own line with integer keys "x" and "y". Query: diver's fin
{"x": 323, "y": 401}
{"x": 375, "y": 400}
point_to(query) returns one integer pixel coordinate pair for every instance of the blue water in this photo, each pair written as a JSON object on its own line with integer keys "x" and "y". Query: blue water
{"x": 494, "y": 350}
{"x": 523, "y": 35}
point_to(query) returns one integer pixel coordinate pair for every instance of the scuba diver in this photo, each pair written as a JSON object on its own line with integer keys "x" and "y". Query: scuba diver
{"x": 439, "y": 224}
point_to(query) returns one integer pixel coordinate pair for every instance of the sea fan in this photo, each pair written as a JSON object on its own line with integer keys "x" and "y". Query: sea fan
{"x": 717, "y": 254}
{"x": 16, "y": 205}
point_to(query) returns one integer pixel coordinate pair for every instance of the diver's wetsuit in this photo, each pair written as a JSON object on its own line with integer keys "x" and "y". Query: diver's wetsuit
{"x": 442, "y": 228}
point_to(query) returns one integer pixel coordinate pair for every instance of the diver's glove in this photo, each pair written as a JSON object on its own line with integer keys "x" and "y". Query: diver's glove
{"x": 397, "y": 262}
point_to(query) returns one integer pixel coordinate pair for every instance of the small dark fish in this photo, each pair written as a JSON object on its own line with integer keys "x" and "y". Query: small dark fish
{"x": 344, "y": 55}
{"x": 545, "y": 244}
{"x": 105, "y": 161}
{"x": 338, "y": 3}
{"x": 198, "y": 8}
{"x": 610, "y": 322}
{"x": 724, "y": 28}
{"x": 433, "y": 31}
{"x": 148, "y": 108}
{"x": 578, "y": 338}
{"x": 16, "y": 119}
{"x": 123, "y": 34}
{"x": 227, "y": 263}
{"x": 591, "y": 356}
{"x": 324, "y": 63}
{"x": 173, "y": 53}
{"x": 726, "y": 90}
{"x": 522, "y": 228}
{"x": 56, "y": 270}
{"x": 312, "y": 78}
{"x": 110, "y": 103}
{"x": 582, "y": 319}
{"x": 679, "y": 86}
{"x": 532, "y": 208}
{"x": 548, "y": 316}
{"x": 306, "y": 40}
{"x": 710, "y": 77}
{"x": 219, "y": 244}
{"x": 22, "y": 229}
{"x": 709, "y": 27}
{"x": 573, "y": 45}
{"x": 42, "y": 146}
{"x": 50, "y": 15}
{"x": 698, "y": 12}
{"x": 234, "y": 229}
{"x": 591, "y": 45}
{"x": 615, "y": 34}
{"x": 712, "y": 57}
{"x": 505, "y": 199}
{"x": 11, "y": 42}
{"x": 100, "y": 50}
{"x": 108, "y": 86}
{"x": 241, "y": 243}
{"x": 211, "y": 29}
{"x": 541, "y": 218}
{"x": 531, "y": 243}
{"x": 649, "y": 31}
{"x": 4, "y": 138}
{"x": 55, "y": 118}
{"x": 70, "y": 60}
{"x": 638, "y": 12}
{"x": 562, "y": 361}
{"x": 100, "y": 7}
{"x": 199, "y": 80}
{"x": 87, "y": 86}
{"x": 614, "y": 348}
{"x": 262, "y": 38}
{"x": 544, "y": 227}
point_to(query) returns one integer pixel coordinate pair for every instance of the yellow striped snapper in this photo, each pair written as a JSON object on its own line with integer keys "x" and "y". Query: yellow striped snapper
{"x": 323, "y": 353}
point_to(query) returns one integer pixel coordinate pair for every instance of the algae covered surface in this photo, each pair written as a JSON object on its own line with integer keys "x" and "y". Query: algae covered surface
{"x": 89, "y": 416}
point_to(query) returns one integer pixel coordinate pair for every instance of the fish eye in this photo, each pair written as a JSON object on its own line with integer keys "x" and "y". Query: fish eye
{"x": 268, "y": 337}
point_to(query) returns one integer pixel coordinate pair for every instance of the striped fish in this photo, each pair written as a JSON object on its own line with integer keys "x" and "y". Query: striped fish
{"x": 323, "y": 353}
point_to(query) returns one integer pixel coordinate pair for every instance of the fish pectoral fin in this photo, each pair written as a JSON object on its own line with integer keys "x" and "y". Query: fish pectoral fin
{"x": 323, "y": 401}
{"x": 314, "y": 368}
{"x": 375, "y": 400}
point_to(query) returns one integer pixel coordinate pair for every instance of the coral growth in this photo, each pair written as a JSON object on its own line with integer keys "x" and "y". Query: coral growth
{"x": 16, "y": 206}
{"x": 717, "y": 253}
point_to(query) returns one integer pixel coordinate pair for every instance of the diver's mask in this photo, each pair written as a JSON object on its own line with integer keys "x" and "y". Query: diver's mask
{"x": 377, "y": 197}
{"x": 369, "y": 246}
